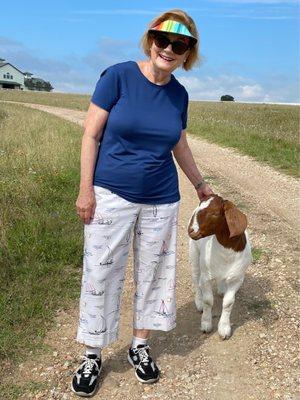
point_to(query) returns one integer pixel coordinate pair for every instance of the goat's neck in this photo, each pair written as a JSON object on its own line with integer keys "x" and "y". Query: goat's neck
{"x": 236, "y": 243}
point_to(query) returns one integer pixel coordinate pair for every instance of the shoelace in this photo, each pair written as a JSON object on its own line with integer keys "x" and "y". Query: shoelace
{"x": 144, "y": 356}
{"x": 88, "y": 364}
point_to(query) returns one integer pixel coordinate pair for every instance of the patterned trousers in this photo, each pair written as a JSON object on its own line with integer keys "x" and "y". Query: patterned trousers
{"x": 107, "y": 239}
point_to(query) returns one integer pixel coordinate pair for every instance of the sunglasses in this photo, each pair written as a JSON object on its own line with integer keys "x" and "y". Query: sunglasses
{"x": 162, "y": 41}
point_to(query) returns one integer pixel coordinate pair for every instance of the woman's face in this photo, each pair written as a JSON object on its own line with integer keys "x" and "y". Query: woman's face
{"x": 171, "y": 60}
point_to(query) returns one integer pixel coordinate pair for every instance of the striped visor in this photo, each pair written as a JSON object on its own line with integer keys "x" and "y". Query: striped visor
{"x": 171, "y": 26}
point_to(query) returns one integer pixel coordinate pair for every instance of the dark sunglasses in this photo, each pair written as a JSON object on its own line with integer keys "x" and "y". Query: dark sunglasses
{"x": 162, "y": 41}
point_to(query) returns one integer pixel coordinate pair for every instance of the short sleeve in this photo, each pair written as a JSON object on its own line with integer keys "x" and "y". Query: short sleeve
{"x": 184, "y": 114}
{"x": 106, "y": 92}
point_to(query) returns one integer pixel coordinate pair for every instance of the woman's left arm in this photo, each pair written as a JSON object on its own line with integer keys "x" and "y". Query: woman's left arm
{"x": 185, "y": 159}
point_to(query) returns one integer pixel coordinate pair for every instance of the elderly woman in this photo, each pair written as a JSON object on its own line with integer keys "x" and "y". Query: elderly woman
{"x": 129, "y": 192}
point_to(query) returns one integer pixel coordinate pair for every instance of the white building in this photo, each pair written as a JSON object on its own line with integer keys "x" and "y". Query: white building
{"x": 10, "y": 76}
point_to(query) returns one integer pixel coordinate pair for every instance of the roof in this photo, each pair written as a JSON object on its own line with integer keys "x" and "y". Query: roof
{"x": 3, "y": 64}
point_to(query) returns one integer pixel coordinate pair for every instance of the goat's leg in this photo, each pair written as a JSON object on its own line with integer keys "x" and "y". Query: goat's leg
{"x": 208, "y": 299}
{"x": 224, "y": 327}
{"x": 199, "y": 299}
{"x": 221, "y": 287}
{"x": 195, "y": 263}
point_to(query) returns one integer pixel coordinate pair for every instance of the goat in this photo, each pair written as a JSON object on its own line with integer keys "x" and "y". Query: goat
{"x": 219, "y": 248}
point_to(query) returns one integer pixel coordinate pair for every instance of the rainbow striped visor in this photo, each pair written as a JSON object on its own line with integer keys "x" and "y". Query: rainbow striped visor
{"x": 174, "y": 27}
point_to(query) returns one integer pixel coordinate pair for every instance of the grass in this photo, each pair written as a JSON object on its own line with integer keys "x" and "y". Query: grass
{"x": 65, "y": 100}
{"x": 40, "y": 234}
{"x": 15, "y": 391}
{"x": 269, "y": 133}
{"x": 257, "y": 252}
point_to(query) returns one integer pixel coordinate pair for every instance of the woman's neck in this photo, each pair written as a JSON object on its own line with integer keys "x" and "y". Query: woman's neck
{"x": 154, "y": 74}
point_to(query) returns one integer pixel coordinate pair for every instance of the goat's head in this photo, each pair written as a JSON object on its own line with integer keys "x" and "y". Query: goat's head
{"x": 214, "y": 214}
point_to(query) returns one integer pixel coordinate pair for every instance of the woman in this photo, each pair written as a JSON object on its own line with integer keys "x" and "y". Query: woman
{"x": 129, "y": 191}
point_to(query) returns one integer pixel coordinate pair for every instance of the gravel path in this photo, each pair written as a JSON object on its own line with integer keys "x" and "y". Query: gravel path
{"x": 260, "y": 360}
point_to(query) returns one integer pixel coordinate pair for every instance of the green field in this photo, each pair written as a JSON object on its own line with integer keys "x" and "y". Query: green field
{"x": 268, "y": 133}
{"x": 40, "y": 234}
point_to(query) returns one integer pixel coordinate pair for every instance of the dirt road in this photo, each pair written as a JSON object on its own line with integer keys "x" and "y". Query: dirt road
{"x": 260, "y": 360}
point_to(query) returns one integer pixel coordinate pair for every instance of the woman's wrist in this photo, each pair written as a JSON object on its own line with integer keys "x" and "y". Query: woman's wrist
{"x": 86, "y": 187}
{"x": 199, "y": 184}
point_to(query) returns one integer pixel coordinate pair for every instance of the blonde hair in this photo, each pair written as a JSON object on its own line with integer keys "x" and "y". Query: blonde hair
{"x": 179, "y": 16}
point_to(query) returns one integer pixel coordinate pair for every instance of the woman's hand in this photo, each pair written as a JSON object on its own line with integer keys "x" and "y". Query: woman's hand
{"x": 204, "y": 191}
{"x": 86, "y": 204}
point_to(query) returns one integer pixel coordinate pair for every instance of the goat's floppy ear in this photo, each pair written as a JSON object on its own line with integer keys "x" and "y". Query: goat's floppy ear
{"x": 236, "y": 220}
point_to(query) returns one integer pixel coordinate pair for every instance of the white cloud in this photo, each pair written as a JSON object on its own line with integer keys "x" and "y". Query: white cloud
{"x": 74, "y": 74}
{"x": 251, "y": 91}
{"x": 274, "y": 17}
{"x": 120, "y": 11}
{"x": 269, "y": 10}
{"x": 241, "y": 88}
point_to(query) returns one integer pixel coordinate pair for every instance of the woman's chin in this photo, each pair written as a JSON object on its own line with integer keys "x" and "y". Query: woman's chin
{"x": 165, "y": 65}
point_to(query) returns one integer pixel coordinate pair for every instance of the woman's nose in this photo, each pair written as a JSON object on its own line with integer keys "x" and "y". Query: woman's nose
{"x": 169, "y": 47}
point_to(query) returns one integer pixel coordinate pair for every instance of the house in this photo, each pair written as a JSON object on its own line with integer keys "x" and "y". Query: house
{"x": 12, "y": 78}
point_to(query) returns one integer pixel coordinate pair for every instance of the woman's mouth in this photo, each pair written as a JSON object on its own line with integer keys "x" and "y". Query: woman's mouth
{"x": 167, "y": 59}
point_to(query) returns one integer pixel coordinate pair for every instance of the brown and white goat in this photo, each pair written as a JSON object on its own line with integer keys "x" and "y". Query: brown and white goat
{"x": 219, "y": 248}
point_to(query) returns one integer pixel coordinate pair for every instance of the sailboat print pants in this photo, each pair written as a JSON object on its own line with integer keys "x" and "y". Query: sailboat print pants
{"x": 107, "y": 239}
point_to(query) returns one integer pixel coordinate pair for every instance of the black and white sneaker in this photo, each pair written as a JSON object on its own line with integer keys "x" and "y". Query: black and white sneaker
{"x": 86, "y": 378}
{"x": 146, "y": 370}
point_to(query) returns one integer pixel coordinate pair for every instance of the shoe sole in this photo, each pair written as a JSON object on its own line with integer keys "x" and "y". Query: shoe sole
{"x": 82, "y": 394}
{"x": 136, "y": 375}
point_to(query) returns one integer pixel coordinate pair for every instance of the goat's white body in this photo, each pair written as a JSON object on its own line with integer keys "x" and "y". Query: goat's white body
{"x": 218, "y": 262}
{"x": 210, "y": 260}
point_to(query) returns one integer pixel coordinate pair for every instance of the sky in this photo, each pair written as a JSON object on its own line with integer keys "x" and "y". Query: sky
{"x": 249, "y": 48}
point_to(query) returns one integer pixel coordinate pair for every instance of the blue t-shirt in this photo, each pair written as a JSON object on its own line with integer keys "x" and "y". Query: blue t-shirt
{"x": 144, "y": 124}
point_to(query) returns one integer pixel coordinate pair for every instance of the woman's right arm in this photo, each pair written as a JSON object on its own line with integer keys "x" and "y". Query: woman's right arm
{"x": 93, "y": 129}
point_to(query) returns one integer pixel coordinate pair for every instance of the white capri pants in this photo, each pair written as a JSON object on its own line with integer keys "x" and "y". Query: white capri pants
{"x": 107, "y": 239}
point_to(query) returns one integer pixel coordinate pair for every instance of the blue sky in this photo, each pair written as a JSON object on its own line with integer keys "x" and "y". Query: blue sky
{"x": 250, "y": 48}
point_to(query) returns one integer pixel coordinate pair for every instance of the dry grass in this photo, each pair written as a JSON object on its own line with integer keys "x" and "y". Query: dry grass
{"x": 66, "y": 100}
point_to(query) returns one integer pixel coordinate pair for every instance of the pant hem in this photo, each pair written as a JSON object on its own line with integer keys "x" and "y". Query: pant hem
{"x": 155, "y": 328}
{"x": 104, "y": 341}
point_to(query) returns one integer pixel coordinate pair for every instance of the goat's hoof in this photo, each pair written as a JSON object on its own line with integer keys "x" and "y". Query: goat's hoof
{"x": 206, "y": 327}
{"x": 224, "y": 332}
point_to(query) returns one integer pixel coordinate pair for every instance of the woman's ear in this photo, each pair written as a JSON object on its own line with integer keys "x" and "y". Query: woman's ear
{"x": 236, "y": 220}
{"x": 187, "y": 53}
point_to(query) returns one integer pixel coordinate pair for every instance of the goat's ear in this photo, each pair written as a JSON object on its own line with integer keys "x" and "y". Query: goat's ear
{"x": 236, "y": 220}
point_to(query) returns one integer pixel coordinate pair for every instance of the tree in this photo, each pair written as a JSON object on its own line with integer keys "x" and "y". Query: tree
{"x": 227, "y": 97}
